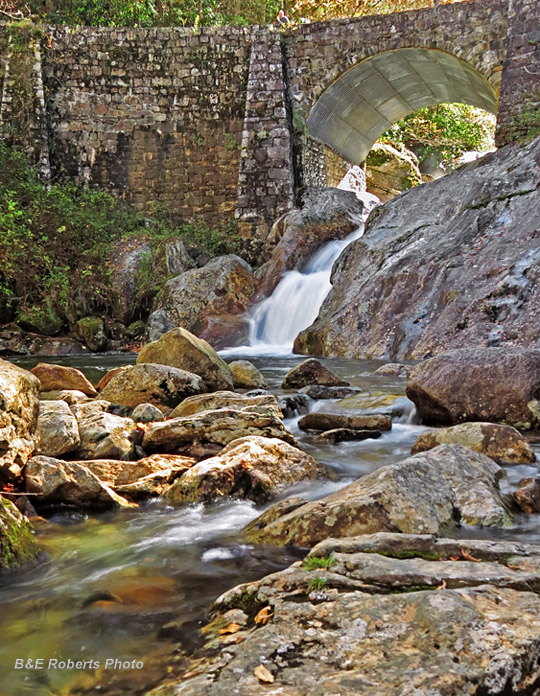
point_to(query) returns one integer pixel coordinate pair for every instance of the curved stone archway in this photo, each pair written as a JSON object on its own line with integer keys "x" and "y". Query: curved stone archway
{"x": 359, "y": 106}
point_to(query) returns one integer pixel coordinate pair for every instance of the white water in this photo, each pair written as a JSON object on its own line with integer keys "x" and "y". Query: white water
{"x": 295, "y": 303}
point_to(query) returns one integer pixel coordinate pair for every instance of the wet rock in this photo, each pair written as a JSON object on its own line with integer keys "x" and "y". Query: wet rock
{"x": 177, "y": 257}
{"x": 427, "y": 493}
{"x": 179, "y": 348}
{"x": 224, "y": 286}
{"x": 293, "y": 404}
{"x": 39, "y": 321}
{"x": 19, "y": 406}
{"x": 390, "y": 171}
{"x": 226, "y": 331}
{"x": 527, "y": 495}
{"x": 160, "y": 385}
{"x": 17, "y": 543}
{"x": 392, "y": 370}
{"x": 311, "y": 371}
{"x": 317, "y": 391}
{"x": 348, "y": 434}
{"x": 331, "y": 421}
{"x": 54, "y": 481}
{"x": 502, "y": 443}
{"x": 103, "y": 435}
{"x": 91, "y": 331}
{"x": 204, "y": 434}
{"x": 146, "y": 413}
{"x": 251, "y": 468}
{"x": 328, "y": 214}
{"x": 57, "y": 428}
{"x": 70, "y": 396}
{"x": 264, "y": 403}
{"x": 246, "y": 375}
{"x": 391, "y": 616}
{"x": 499, "y": 385}
{"x": 59, "y": 378}
{"x": 425, "y": 278}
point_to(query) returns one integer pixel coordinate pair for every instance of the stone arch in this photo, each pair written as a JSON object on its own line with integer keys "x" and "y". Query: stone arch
{"x": 354, "y": 111}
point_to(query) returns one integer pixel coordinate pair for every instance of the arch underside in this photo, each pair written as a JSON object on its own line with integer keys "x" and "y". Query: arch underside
{"x": 359, "y": 106}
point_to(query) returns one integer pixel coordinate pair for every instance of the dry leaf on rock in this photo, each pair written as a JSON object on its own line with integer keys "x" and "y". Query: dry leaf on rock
{"x": 231, "y": 628}
{"x": 263, "y": 674}
{"x": 263, "y": 616}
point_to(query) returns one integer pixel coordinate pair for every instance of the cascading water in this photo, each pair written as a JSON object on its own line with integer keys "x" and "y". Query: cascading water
{"x": 296, "y": 301}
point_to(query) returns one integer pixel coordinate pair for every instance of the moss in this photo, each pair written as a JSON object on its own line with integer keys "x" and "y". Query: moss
{"x": 17, "y": 543}
{"x": 425, "y": 555}
{"x": 317, "y": 562}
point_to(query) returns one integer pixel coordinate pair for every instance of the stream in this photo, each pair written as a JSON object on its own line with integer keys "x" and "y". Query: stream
{"x": 166, "y": 564}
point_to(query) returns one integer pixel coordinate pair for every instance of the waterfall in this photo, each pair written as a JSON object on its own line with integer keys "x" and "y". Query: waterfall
{"x": 296, "y": 301}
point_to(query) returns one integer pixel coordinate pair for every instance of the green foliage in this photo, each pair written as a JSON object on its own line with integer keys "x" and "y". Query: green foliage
{"x": 445, "y": 130}
{"x": 317, "y": 562}
{"x": 317, "y": 584}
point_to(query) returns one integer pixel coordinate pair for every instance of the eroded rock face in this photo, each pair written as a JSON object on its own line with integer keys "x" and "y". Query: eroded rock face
{"x": 390, "y": 614}
{"x": 499, "y": 385}
{"x": 252, "y": 468}
{"x": 192, "y": 299}
{"x": 246, "y": 375}
{"x": 426, "y": 493}
{"x": 180, "y": 348}
{"x": 17, "y": 543}
{"x": 58, "y": 377}
{"x": 58, "y": 429}
{"x": 502, "y": 443}
{"x": 311, "y": 371}
{"x": 19, "y": 406}
{"x": 227, "y": 399}
{"x": 450, "y": 264}
{"x": 206, "y": 433}
{"x": 55, "y": 481}
{"x": 160, "y": 385}
{"x": 328, "y": 214}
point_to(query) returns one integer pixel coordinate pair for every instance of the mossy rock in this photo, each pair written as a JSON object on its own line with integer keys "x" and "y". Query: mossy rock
{"x": 91, "y": 330}
{"x": 17, "y": 543}
{"x": 40, "y": 321}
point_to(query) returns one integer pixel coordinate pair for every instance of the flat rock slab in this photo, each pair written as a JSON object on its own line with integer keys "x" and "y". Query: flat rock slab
{"x": 331, "y": 421}
{"x": 227, "y": 399}
{"x": 347, "y": 435}
{"x": 428, "y": 493}
{"x": 390, "y": 615}
{"x": 319, "y": 391}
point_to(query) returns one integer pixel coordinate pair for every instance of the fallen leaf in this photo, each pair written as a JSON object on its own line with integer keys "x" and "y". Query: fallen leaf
{"x": 442, "y": 586}
{"x": 264, "y": 616}
{"x": 454, "y": 558}
{"x": 231, "y": 628}
{"x": 229, "y": 640}
{"x": 263, "y": 674}
{"x": 512, "y": 567}
{"x": 467, "y": 556}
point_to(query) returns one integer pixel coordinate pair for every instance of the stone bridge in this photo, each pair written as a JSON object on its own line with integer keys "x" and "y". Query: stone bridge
{"x": 235, "y": 121}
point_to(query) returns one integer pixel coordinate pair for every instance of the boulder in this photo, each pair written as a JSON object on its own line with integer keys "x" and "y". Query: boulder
{"x": 317, "y": 391}
{"x": 110, "y": 374}
{"x": 390, "y": 171}
{"x": 425, "y": 494}
{"x": 54, "y": 481}
{"x": 17, "y": 543}
{"x": 70, "y": 396}
{"x": 191, "y": 300}
{"x": 158, "y": 324}
{"x": 146, "y": 413}
{"x": 293, "y": 404}
{"x": 499, "y": 385}
{"x": 103, "y": 435}
{"x": 246, "y": 375}
{"x": 19, "y": 406}
{"x": 381, "y": 614}
{"x": 177, "y": 257}
{"x": 206, "y": 433}
{"x": 59, "y": 378}
{"x": 225, "y": 399}
{"x": 40, "y": 321}
{"x": 527, "y": 496}
{"x": 331, "y": 421}
{"x": 57, "y": 428}
{"x": 392, "y": 370}
{"x": 327, "y": 214}
{"x": 91, "y": 331}
{"x": 252, "y": 468}
{"x": 180, "y": 348}
{"x": 311, "y": 371}
{"x": 348, "y": 434}
{"x": 502, "y": 443}
{"x": 126, "y": 257}
{"x": 426, "y": 278}
{"x": 160, "y": 385}
{"x": 226, "y": 331}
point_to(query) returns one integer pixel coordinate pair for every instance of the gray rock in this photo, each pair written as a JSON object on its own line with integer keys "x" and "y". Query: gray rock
{"x": 146, "y": 413}
{"x": 58, "y": 429}
{"x": 225, "y": 399}
{"x": 103, "y": 435}
{"x": 332, "y": 421}
{"x": 311, "y": 371}
{"x": 348, "y": 434}
{"x": 246, "y": 375}
{"x": 177, "y": 257}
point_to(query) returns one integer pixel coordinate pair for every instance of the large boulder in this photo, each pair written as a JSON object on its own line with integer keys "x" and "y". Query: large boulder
{"x": 58, "y": 429}
{"x": 500, "y": 385}
{"x": 206, "y": 433}
{"x": 54, "y": 481}
{"x": 327, "y": 214}
{"x": 180, "y": 348}
{"x": 161, "y": 385}
{"x": 226, "y": 399}
{"x": 17, "y": 544}
{"x": 425, "y": 494}
{"x": 59, "y": 378}
{"x": 330, "y": 421}
{"x": 429, "y": 277}
{"x": 19, "y": 407}
{"x": 126, "y": 258}
{"x": 382, "y": 614}
{"x": 246, "y": 375}
{"x": 252, "y": 468}
{"x": 103, "y": 435}
{"x": 193, "y": 299}
{"x": 311, "y": 371}
{"x": 502, "y": 443}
